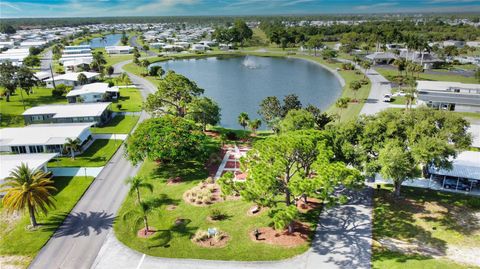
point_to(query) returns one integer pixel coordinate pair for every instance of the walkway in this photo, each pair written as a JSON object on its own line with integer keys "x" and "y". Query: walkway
{"x": 343, "y": 240}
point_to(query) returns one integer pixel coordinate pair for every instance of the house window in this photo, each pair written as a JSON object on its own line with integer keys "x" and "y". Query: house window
{"x": 19, "y": 149}
{"x": 37, "y": 118}
{"x": 35, "y": 149}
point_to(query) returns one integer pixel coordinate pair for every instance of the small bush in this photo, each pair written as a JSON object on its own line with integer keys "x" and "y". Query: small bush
{"x": 364, "y": 81}
{"x": 200, "y": 235}
{"x": 231, "y": 135}
{"x": 119, "y": 106}
{"x": 216, "y": 215}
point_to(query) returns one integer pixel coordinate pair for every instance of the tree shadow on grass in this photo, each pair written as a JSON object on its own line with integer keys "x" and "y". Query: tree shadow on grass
{"x": 188, "y": 171}
{"x": 161, "y": 200}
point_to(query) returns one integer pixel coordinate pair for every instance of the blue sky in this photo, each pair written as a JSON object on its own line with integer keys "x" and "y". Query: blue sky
{"x": 99, "y": 8}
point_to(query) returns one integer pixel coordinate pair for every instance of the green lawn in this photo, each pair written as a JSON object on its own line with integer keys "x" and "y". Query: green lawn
{"x": 98, "y": 154}
{"x": 390, "y": 73}
{"x": 118, "y": 125}
{"x": 174, "y": 241}
{"x": 395, "y": 260}
{"x": 436, "y": 219}
{"x": 22, "y": 245}
{"x": 130, "y": 100}
{"x": 11, "y": 112}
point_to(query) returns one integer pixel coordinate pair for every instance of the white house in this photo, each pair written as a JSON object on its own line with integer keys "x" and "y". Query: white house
{"x": 455, "y": 43}
{"x": 35, "y": 44}
{"x": 36, "y": 161}
{"x": 71, "y": 113}
{"x": 94, "y": 92}
{"x": 6, "y": 44}
{"x": 40, "y": 138}
{"x": 157, "y": 45}
{"x": 119, "y": 49}
{"x": 447, "y": 95}
{"x": 15, "y": 56}
{"x": 71, "y": 79}
{"x": 199, "y": 47}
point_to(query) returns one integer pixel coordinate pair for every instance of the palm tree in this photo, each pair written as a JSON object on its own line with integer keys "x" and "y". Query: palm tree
{"x": 146, "y": 64}
{"x": 366, "y": 65}
{"x": 140, "y": 214}
{"x": 243, "y": 119}
{"x": 409, "y": 97}
{"x": 123, "y": 78}
{"x": 82, "y": 79}
{"x": 400, "y": 64}
{"x": 28, "y": 189}
{"x": 98, "y": 61}
{"x": 342, "y": 104}
{"x": 355, "y": 86}
{"x": 72, "y": 145}
{"x": 137, "y": 183}
{"x": 254, "y": 125}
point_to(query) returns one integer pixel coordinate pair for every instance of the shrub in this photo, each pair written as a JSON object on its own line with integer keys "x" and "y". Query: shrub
{"x": 231, "y": 136}
{"x": 119, "y": 106}
{"x": 200, "y": 235}
{"x": 216, "y": 214}
{"x": 364, "y": 81}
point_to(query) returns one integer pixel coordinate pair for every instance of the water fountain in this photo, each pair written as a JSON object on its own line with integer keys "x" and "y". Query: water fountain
{"x": 250, "y": 63}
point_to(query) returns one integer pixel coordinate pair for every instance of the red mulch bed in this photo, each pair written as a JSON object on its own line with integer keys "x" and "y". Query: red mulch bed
{"x": 268, "y": 235}
{"x": 211, "y": 243}
{"x": 212, "y": 167}
{"x": 216, "y": 195}
{"x": 231, "y": 164}
{"x": 312, "y": 203}
{"x": 174, "y": 181}
{"x": 151, "y": 231}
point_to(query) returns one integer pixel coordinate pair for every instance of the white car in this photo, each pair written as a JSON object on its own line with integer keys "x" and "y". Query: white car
{"x": 387, "y": 98}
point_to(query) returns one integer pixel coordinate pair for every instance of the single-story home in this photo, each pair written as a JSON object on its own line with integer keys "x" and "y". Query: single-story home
{"x": 455, "y": 43}
{"x": 40, "y": 138}
{"x": 199, "y": 47}
{"x": 382, "y": 57}
{"x": 119, "y": 49}
{"x": 15, "y": 56}
{"x": 43, "y": 75}
{"x": 449, "y": 95}
{"x": 75, "y": 63}
{"x": 425, "y": 59}
{"x": 91, "y": 112}
{"x": 36, "y": 161}
{"x": 94, "y": 92}
{"x": 71, "y": 79}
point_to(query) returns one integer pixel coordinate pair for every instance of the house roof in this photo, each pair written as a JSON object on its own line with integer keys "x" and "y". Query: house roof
{"x": 74, "y": 76}
{"x": 34, "y": 161}
{"x": 444, "y": 85}
{"x": 466, "y": 165}
{"x": 475, "y": 131}
{"x": 69, "y": 111}
{"x": 107, "y": 48}
{"x": 97, "y": 87}
{"x": 381, "y": 56}
{"x": 42, "y": 134}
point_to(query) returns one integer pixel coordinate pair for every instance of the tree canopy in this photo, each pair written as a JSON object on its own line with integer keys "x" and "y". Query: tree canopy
{"x": 175, "y": 93}
{"x": 166, "y": 139}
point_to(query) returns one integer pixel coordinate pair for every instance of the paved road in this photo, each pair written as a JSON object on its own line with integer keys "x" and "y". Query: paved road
{"x": 380, "y": 87}
{"x": 343, "y": 240}
{"x": 76, "y": 243}
{"x": 46, "y": 60}
{"x": 134, "y": 43}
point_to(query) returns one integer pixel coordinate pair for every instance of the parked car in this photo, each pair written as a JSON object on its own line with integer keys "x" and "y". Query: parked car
{"x": 387, "y": 98}
{"x": 452, "y": 184}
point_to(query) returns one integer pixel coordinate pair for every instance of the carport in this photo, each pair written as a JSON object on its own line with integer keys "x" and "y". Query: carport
{"x": 463, "y": 176}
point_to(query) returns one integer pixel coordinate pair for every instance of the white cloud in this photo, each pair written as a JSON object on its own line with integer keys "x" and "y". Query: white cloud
{"x": 374, "y": 7}
{"x": 9, "y": 5}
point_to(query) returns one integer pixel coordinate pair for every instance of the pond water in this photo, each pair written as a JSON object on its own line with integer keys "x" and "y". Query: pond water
{"x": 239, "y": 84}
{"x": 109, "y": 40}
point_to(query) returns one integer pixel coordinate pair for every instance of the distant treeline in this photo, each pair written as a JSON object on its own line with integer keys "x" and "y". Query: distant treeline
{"x": 21, "y": 23}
